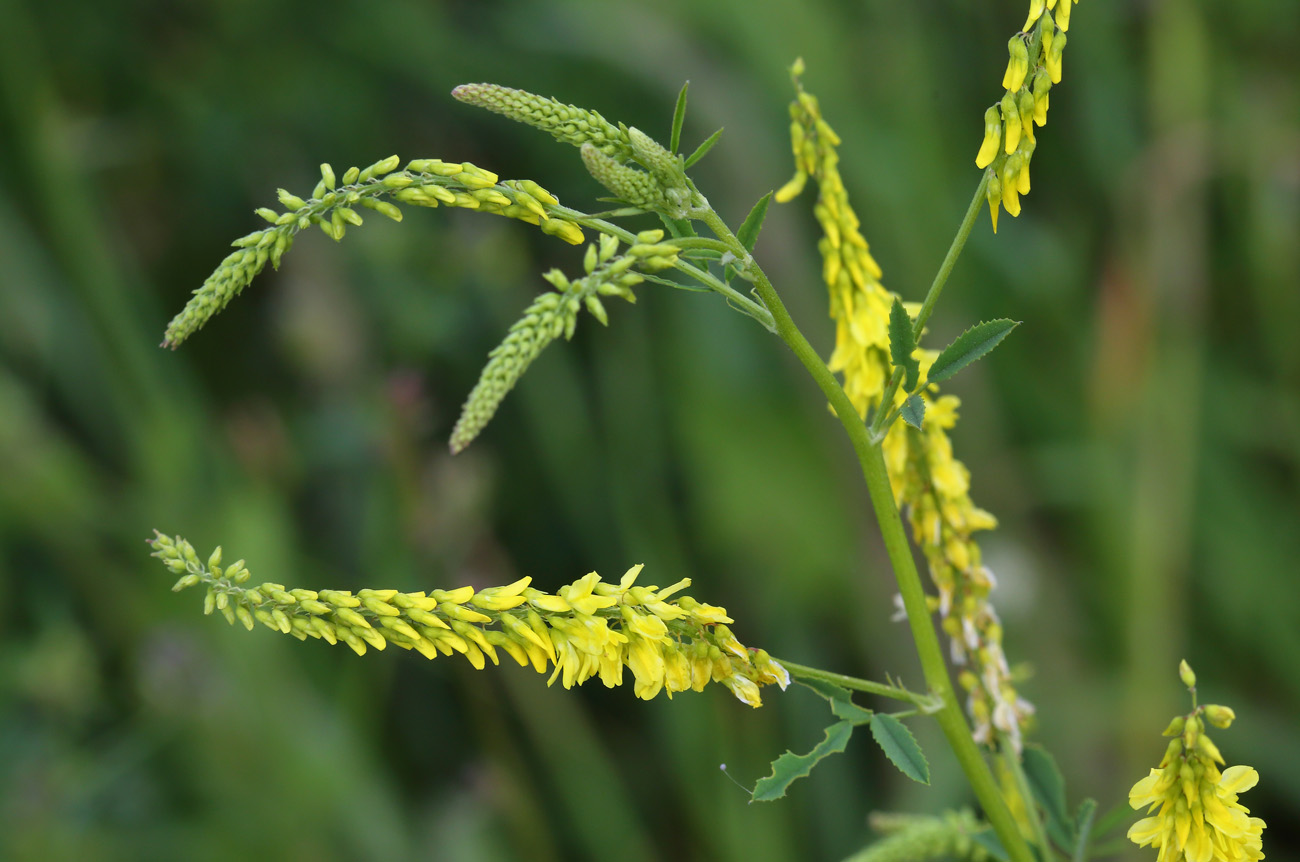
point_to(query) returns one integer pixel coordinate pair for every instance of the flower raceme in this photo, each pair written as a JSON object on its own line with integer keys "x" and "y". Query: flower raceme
{"x": 589, "y": 628}
{"x": 926, "y": 477}
{"x": 1033, "y": 67}
{"x": 1199, "y": 817}
{"x": 333, "y": 206}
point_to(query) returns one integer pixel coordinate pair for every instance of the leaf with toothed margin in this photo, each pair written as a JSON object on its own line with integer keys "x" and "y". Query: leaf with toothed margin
{"x": 902, "y": 344}
{"x": 913, "y": 411}
{"x": 969, "y": 346}
{"x": 790, "y": 767}
{"x": 679, "y": 115}
{"x": 900, "y": 747}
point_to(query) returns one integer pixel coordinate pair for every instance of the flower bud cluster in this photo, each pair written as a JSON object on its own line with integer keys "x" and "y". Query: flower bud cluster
{"x": 567, "y": 123}
{"x": 1200, "y": 818}
{"x": 1033, "y": 67}
{"x": 333, "y": 206}
{"x": 554, "y": 314}
{"x": 928, "y": 481}
{"x": 589, "y": 628}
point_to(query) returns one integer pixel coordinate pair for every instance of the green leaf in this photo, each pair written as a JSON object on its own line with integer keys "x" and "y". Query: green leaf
{"x": 1083, "y": 828}
{"x": 841, "y": 700}
{"x": 1048, "y": 787}
{"x": 677, "y": 227}
{"x": 902, "y": 344}
{"x": 969, "y": 346}
{"x": 748, "y": 233}
{"x": 702, "y": 150}
{"x": 988, "y": 839}
{"x": 1115, "y": 817}
{"x": 677, "y": 285}
{"x": 679, "y": 114}
{"x": 913, "y": 411}
{"x": 790, "y": 767}
{"x": 900, "y": 747}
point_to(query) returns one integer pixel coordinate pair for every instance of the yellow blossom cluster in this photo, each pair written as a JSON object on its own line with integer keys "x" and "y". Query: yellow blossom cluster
{"x": 1033, "y": 67}
{"x": 926, "y": 478}
{"x": 1200, "y": 818}
{"x": 586, "y": 629}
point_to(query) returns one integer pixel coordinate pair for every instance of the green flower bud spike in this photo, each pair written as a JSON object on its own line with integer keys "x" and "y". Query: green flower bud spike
{"x": 554, "y": 314}
{"x": 588, "y": 628}
{"x": 332, "y": 207}
{"x": 567, "y": 123}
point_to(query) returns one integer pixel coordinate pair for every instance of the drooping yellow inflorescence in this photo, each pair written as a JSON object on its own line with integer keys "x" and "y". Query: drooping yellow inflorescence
{"x": 589, "y": 628}
{"x": 1200, "y": 818}
{"x": 932, "y": 484}
{"x": 1033, "y": 67}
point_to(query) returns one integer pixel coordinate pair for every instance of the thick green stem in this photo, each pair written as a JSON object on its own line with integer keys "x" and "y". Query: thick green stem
{"x": 950, "y": 717}
{"x": 880, "y": 425}
{"x": 799, "y": 671}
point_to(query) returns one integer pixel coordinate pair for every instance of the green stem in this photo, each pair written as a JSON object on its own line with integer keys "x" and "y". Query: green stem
{"x": 950, "y": 717}
{"x": 740, "y": 301}
{"x": 1012, "y": 759}
{"x": 927, "y": 307}
{"x": 799, "y": 671}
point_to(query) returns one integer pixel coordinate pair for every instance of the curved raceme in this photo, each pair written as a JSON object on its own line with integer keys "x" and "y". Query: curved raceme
{"x": 590, "y": 628}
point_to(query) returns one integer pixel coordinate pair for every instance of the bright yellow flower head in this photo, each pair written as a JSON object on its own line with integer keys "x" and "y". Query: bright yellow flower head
{"x": 1199, "y": 818}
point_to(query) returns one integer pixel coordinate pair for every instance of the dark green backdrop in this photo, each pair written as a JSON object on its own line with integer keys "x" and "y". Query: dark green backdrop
{"x": 1139, "y": 435}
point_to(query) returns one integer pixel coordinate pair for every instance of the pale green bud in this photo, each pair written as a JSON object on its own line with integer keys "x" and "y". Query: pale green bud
{"x": 1220, "y": 716}
{"x": 350, "y": 175}
{"x": 327, "y": 175}
{"x": 1186, "y": 674}
{"x": 269, "y": 214}
{"x": 597, "y": 310}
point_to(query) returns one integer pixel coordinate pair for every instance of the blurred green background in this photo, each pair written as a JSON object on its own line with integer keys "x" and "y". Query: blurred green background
{"x": 1139, "y": 436}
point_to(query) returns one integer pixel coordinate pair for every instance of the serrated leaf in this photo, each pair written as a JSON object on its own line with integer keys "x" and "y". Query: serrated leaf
{"x": 679, "y": 115}
{"x": 1083, "y": 828}
{"x": 851, "y": 712}
{"x": 790, "y": 767}
{"x": 988, "y": 839}
{"x": 913, "y": 411}
{"x": 969, "y": 346}
{"x": 703, "y": 149}
{"x": 902, "y": 344}
{"x": 749, "y": 228}
{"x": 841, "y": 700}
{"x": 1048, "y": 787}
{"x": 900, "y": 747}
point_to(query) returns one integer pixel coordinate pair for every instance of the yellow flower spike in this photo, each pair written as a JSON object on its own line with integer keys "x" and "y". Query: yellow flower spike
{"x": 629, "y": 577}
{"x": 1017, "y": 64}
{"x": 992, "y": 138}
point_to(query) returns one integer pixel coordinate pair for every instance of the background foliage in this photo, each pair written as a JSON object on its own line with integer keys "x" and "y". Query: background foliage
{"x": 1137, "y": 436}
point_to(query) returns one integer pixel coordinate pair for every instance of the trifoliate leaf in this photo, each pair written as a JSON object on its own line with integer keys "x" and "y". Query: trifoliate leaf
{"x": 969, "y": 346}
{"x": 913, "y": 411}
{"x": 702, "y": 150}
{"x": 679, "y": 115}
{"x": 902, "y": 344}
{"x": 900, "y": 747}
{"x": 790, "y": 767}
